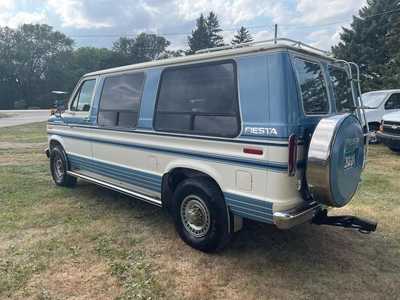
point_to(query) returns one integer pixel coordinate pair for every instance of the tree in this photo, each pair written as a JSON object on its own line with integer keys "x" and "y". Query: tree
{"x": 242, "y": 36}
{"x": 373, "y": 42}
{"x": 206, "y": 34}
{"x": 145, "y": 47}
{"x": 214, "y": 30}
{"x": 8, "y": 83}
{"x": 30, "y": 51}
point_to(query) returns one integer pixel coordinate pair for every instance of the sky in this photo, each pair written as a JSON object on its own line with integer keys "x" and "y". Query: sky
{"x": 99, "y": 23}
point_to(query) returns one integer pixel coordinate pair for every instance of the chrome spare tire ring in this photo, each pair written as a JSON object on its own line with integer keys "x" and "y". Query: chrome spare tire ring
{"x": 195, "y": 216}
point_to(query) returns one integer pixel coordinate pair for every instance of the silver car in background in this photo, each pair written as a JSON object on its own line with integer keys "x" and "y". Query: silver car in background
{"x": 379, "y": 103}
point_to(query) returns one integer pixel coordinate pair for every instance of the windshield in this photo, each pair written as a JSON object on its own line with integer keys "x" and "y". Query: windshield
{"x": 373, "y": 99}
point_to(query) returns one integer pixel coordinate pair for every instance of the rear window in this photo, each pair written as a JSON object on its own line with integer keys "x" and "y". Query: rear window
{"x": 342, "y": 88}
{"x": 120, "y": 99}
{"x": 312, "y": 86}
{"x": 199, "y": 99}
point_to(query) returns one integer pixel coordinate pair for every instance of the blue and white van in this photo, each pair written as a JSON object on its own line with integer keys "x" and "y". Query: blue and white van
{"x": 266, "y": 131}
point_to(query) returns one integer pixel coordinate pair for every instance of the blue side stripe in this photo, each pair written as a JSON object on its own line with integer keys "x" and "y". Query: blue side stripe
{"x": 140, "y": 174}
{"x": 250, "y": 208}
{"x": 116, "y": 175}
{"x": 252, "y": 216}
{"x": 271, "y": 141}
{"x": 139, "y": 178}
{"x": 246, "y": 207}
{"x": 274, "y": 166}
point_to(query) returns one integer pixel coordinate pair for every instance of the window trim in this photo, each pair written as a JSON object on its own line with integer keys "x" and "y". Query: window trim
{"x": 333, "y": 86}
{"x": 77, "y": 91}
{"x": 300, "y": 90}
{"x": 106, "y": 76}
{"x": 199, "y": 65}
{"x": 387, "y": 100}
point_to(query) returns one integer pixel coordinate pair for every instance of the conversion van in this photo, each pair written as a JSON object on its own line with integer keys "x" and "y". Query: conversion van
{"x": 270, "y": 131}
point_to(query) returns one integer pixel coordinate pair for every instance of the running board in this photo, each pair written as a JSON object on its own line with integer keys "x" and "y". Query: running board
{"x": 140, "y": 196}
{"x": 363, "y": 225}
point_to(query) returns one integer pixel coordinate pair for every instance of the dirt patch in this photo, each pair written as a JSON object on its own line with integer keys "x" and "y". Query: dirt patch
{"x": 25, "y": 146}
{"x": 76, "y": 280}
{"x": 6, "y": 115}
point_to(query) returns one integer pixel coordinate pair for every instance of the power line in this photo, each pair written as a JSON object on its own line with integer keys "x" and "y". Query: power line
{"x": 341, "y": 21}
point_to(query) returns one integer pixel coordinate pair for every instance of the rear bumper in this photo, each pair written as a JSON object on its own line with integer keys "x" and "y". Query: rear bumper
{"x": 293, "y": 217}
{"x": 389, "y": 140}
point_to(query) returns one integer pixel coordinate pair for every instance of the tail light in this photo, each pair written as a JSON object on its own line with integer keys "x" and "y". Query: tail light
{"x": 292, "y": 165}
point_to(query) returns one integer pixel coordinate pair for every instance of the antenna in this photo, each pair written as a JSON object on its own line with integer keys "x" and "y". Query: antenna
{"x": 276, "y": 34}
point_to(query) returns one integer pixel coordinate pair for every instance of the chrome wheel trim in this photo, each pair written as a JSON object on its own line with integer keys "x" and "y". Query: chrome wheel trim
{"x": 58, "y": 166}
{"x": 195, "y": 216}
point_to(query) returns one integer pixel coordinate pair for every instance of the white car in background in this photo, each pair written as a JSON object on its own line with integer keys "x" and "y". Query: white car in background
{"x": 377, "y": 104}
{"x": 389, "y": 133}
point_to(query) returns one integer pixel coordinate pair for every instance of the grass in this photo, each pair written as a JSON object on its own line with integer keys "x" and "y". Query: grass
{"x": 88, "y": 242}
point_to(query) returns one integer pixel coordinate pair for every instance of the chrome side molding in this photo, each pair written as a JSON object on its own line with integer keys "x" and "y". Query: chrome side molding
{"x": 125, "y": 191}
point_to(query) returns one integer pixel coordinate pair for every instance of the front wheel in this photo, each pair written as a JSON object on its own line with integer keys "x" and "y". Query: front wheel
{"x": 59, "y": 168}
{"x": 397, "y": 150}
{"x": 200, "y": 214}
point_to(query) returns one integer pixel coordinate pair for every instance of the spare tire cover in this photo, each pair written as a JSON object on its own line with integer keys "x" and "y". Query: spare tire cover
{"x": 335, "y": 160}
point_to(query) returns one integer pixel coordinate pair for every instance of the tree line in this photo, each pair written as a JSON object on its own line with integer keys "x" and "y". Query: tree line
{"x": 36, "y": 59}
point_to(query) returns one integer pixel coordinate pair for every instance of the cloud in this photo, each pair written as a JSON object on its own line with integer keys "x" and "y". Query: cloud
{"x": 313, "y": 12}
{"x": 108, "y": 19}
{"x": 72, "y": 14}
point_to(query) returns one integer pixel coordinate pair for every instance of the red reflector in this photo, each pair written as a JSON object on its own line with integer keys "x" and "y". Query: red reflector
{"x": 253, "y": 151}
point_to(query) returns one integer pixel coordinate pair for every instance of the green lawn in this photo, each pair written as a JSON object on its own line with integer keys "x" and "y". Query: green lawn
{"x": 91, "y": 243}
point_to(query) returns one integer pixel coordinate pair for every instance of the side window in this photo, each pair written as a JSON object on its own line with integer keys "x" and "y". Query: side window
{"x": 199, "y": 99}
{"x": 83, "y": 98}
{"x": 313, "y": 87}
{"x": 120, "y": 100}
{"x": 342, "y": 89}
{"x": 393, "y": 102}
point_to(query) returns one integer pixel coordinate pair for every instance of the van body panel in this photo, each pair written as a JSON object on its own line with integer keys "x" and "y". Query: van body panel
{"x": 270, "y": 111}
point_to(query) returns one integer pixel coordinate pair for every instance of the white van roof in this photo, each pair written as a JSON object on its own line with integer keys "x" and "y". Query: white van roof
{"x": 225, "y": 51}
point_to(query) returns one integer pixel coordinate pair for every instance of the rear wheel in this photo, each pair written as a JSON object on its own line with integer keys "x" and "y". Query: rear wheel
{"x": 397, "y": 150}
{"x": 59, "y": 168}
{"x": 200, "y": 214}
{"x": 373, "y": 129}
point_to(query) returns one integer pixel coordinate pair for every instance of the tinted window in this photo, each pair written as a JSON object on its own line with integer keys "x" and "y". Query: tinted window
{"x": 120, "y": 100}
{"x": 199, "y": 99}
{"x": 83, "y": 98}
{"x": 393, "y": 102}
{"x": 342, "y": 89}
{"x": 313, "y": 87}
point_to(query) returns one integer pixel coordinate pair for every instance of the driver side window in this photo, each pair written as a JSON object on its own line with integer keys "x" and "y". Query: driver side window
{"x": 83, "y": 98}
{"x": 393, "y": 102}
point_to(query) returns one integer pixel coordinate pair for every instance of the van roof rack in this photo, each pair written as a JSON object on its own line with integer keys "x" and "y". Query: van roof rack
{"x": 291, "y": 42}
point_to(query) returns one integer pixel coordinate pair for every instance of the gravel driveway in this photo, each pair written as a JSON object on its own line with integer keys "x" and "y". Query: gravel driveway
{"x": 19, "y": 117}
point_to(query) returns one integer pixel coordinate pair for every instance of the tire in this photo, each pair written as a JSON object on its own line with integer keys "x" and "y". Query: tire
{"x": 373, "y": 129}
{"x": 397, "y": 150}
{"x": 200, "y": 214}
{"x": 59, "y": 168}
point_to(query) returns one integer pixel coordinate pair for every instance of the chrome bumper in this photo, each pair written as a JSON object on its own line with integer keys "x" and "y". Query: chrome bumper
{"x": 293, "y": 217}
